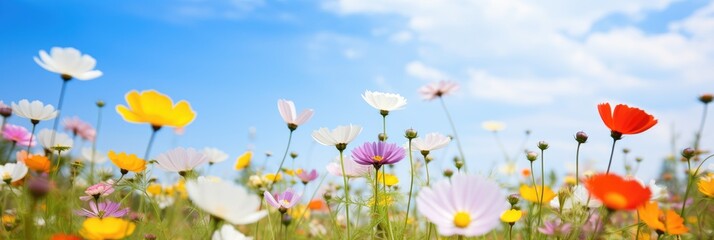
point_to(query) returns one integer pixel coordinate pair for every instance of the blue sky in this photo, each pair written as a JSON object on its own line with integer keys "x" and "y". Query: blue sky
{"x": 539, "y": 66}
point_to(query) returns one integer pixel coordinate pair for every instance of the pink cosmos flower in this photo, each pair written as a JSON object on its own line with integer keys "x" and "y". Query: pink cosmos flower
{"x": 102, "y": 210}
{"x": 555, "y": 227}
{"x": 307, "y": 177}
{"x": 352, "y": 168}
{"x": 438, "y": 89}
{"x": 79, "y": 128}
{"x": 282, "y": 201}
{"x": 18, "y": 134}
{"x": 181, "y": 160}
{"x": 98, "y": 190}
{"x": 378, "y": 154}
{"x": 466, "y": 205}
{"x": 288, "y": 112}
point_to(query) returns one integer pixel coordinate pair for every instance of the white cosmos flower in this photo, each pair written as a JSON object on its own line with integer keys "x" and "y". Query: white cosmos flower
{"x": 508, "y": 168}
{"x": 430, "y": 142}
{"x": 226, "y": 201}
{"x": 12, "y": 171}
{"x": 339, "y": 135}
{"x": 228, "y": 232}
{"x": 180, "y": 160}
{"x": 579, "y": 197}
{"x": 289, "y": 114}
{"x": 34, "y": 111}
{"x": 215, "y": 155}
{"x": 493, "y": 126}
{"x": 61, "y": 140}
{"x": 659, "y": 192}
{"x": 69, "y": 61}
{"x": 384, "y": 101}
{"x": 99, "y": 156}
{"x": 352, "y": 168}
{"x": 209, "y": 179}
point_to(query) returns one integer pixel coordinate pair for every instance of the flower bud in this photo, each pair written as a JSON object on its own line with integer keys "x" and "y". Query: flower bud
{"x": 625, "y": 150}
{"x": 688, "y": 153}
{"x": 149, "y": 236}
{"x": 638, "y": 159}
{"x": 293, "y": 155}
{"x": 459, "y": 164}
{"x": 100, "y": 103}
{"x": 581, "y": 137}
{"x": 287, "y": 219}
{"x": 5, "y": 111}
{"x": 513, "y": 199}
{"x": 531, "y": 156}
{"x": 382, "y": 137}
{"x": 542, "y": 145}
{"x": 428, "y": 159}
{"x": 706, "y": 98}
{"x": 448, "y": 173}
{"x": 410, "y": 134}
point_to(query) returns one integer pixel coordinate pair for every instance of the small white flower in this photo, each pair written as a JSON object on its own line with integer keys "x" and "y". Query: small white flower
{"x": 228, "y": 232}
{"x": 508, "y": 168}
{"x": 437, "y": 89}
{"x": 180, "y": 159}
{"x": 339, "y": 135}
{"x": 659, "y": 192}
{"x": 12, "y": 171}
{"x": 430, "y": 142}
{"x": 384, "y": 101}
{"x": 34, "y": 111}
{"x": 580, "y": 197}
{"x": 61, "y": 140}
{"x": 352, "y": 168}
{"x": 215, "y": 155}
{"x": 493, "y": 126}
{"x": 289, "y": 114}
{"x": 69, "y": 61}
{"x": 99, "y": 156}
{"x": 226, "y": 201}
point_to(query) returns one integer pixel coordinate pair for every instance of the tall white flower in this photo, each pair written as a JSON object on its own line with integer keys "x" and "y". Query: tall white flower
{"x": 352, "y": 168}
{"x": 12, "y": 172}
{"x": 62, "y": 140}
{"x": 430, "y": 142}
{"x": 339, "y": 135}
{"x": 69, "y": 62}
{"x": 180, "y": 160}
{"x": 214, "y": 155}
{"x": 98, "y": 158}
{"x": 228, "y": 232}
{"x": 659, "y": 192}
{"x": 35, "y": 110}
{"x": 289, "y": 114}
{"x": 493, "y": 126}
{"x": 384, "y": 101}
{"x": 226, "y": 201}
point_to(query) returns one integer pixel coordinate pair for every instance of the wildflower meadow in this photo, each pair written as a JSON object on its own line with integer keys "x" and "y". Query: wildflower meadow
{"x": 51, "y": 190}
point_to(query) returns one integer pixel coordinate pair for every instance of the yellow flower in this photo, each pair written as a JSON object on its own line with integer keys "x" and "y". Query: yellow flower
{"x": 243, "y": 161}
{"x": 106, "y": 228}
{"x": 153, "y": 189}
{"x": 272, "y": 177}
{"x": 156, "y": 109}
{"x": 706, "y": 185}
{"x": 8, "y": 219}
{"x": 298, "y": 211}
{"x": 128, "y": 162}
{"x": 511, "y": 216}
{"x": 383, "y": 200}
{"x": 180, "y": 188}
{"x": 389, "y": 179}
{"x": 529, "y": 193}
{"x": 570, "y": 180}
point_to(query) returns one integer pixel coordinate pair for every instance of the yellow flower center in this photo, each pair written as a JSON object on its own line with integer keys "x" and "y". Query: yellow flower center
{"x": 284, "y": 202}
{"x": 462, "y": 219}
{"x": 6, "y": 175}
{"x": 377, "y": 158}
{"x": 616, "y": 199}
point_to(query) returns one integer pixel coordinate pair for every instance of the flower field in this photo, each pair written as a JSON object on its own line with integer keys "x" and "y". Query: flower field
{"x": 50, "y": 190}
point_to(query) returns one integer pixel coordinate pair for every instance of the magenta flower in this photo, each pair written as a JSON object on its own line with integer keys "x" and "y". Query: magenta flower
{"x": 555, "y": 227}
{"x": 95, "y": 191}
{"x": 282, "y": 201}
{"x": 438, "y": 89}
{"x": 18, "y": 134}
{"x": 79, "y": 128}
{"x": 306, "y": 176}
{"x": 465, "y": 205}
{"x": 103, "y": 209}
{"x": 378, "y": 154}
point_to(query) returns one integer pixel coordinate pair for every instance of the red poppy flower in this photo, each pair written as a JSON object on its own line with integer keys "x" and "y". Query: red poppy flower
{"x": 62, "y": 236}
{"x": 625, "y": 119}
{"x": 617, "y": 193}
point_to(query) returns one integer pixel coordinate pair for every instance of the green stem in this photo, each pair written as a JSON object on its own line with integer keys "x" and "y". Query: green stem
{"x": 542, "y": 186}
{"x": 698, "y": 136}
{"x": 386, "y": 206}
{"x": 510, "y": 231}
{"x": 347, "y": 193}
{"x": 94, "y": 144}
{"x": 426, "y": 166}
{"x": 9, "y": 153}
{"x": 285, "y": 155}
{"x": 689, "y": 185}
{"x": 453, "y": 129}
{"x": 411, "y": 187}
{"x": 154, "y": 129}
{"x": 612, "y": 151}
{"x": 59, "y": 107}
{"x": 32, "y": 134}
{"x": 577, "y": 165}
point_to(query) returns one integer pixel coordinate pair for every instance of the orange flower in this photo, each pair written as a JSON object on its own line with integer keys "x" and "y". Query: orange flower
{"x": 526, "y": 172}
{"x": 317, "y": 205}
{"x": 127, "y": 162}
{"x": 669, "y": 222}
{"x": 34, "y": 161}
{"x": 625, "y": 119}
{"x": 617, "y": 193}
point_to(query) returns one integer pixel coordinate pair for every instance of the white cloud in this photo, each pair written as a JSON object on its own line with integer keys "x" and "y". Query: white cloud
{"x": 351, "y": 53}
{"x": 521, "y": 91}
{"x": 401, "y": 37}
{"x": 418, "y": 70}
